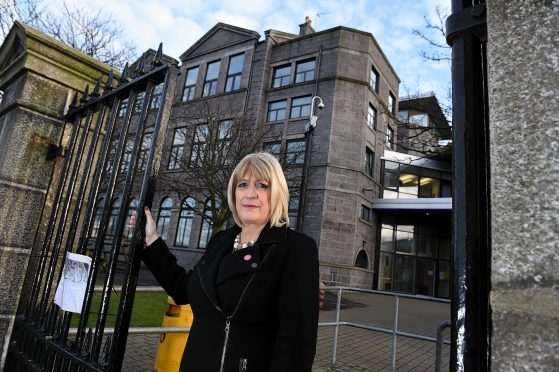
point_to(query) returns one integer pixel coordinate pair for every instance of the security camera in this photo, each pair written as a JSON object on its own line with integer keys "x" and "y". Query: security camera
{"x": 321, "y": 105}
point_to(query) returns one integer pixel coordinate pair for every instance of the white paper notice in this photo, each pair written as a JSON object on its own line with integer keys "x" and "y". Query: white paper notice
{"x": 71, "y": 288}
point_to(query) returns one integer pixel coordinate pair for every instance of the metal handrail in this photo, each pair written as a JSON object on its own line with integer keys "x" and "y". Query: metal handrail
{"x": 394, "y": 331}
{"x": 337, "y": 323}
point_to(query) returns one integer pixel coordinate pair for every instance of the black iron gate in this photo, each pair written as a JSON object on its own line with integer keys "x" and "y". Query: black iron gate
{"x": 106, "y": 131}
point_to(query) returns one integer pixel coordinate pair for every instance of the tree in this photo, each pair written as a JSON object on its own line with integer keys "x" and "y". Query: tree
{"x": 434, "y": 34}
{"x": 93, "y": 33}
{"x": 205, "y": 152}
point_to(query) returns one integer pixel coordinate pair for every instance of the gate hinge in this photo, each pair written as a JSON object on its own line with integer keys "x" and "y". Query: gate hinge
{"x": 54, "y": 151}
{"x": 468, "y": 19}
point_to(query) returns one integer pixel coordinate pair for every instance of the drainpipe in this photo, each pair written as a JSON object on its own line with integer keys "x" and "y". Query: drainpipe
{"x": 466, "y": 31}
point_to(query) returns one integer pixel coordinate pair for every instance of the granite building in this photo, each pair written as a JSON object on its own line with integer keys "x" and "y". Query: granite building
{"x": 273, "y": 82}
{"x": 341, "y": 79}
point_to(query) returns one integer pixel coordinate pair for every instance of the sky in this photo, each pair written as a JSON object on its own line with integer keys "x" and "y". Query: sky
{"x": 180, "y": 23}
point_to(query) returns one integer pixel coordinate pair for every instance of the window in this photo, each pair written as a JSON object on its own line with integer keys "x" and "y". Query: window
{"x": 374, "y": 79}
{"x": 113, "y": 217}
{"x": 294, "y": 197}
{"x": 125, "y": 164}
{"x": 132, "y": 206}
{"x": 295, "y": 153}
{"x": 273, "y": 148}
{"x": 282, "y": 76}
{"x": 362, "y": 260}
{"x": 304, "y": 71}
{"x": 415, "y": 255}
{"x": 365, "y": 213}
{"x": 184, "y": 228}
{"x": 406, "y": 181}
{"x": 224, "y": 135}
{"x": 157, "y": 91}
{"x": 391, "y": 103}
{"x": 207, "y": 227}
{"x": 420, "y": 119}
{"x": 139, "y": 102}
{"x": 210, "y": 83}
{"x": 276, "y": 111}
{"x": 234, "y": 73}
{"x": 164, "y": 217}
{"x": 144, "y": 151}
{"x": 389, "y": 137}
{"x": 190, "y": 84}
{"x": 372, "y": 117}
{"x": 123, "y": 107}
{"x": 177, "y": 148}
{"x": 300, "y": 107}
{"x": 199, "y": 145}
{"x": 369, "y": 162}
{"x": 97, "y": 218}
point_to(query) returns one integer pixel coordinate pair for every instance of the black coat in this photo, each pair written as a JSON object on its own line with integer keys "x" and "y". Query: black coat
{"x": 267, "y": 295}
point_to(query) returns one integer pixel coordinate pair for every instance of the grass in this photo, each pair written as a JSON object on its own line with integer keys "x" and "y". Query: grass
{"x": 147, "y": 311}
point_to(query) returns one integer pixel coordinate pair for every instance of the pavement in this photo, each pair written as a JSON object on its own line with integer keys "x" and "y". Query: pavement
{"x": 356, "y": 349}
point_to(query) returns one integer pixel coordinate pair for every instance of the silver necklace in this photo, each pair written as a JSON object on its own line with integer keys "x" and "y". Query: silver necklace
{"x": 237, "y": 245}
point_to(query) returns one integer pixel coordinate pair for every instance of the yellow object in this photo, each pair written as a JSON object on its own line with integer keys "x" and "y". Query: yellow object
{"x": 171, "y": 345}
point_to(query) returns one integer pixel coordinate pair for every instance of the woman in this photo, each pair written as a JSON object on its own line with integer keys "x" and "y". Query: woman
{"x": 254, "y": 292}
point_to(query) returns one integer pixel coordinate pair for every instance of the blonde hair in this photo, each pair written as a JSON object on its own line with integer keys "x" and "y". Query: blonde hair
{"x": 264, "y": 166}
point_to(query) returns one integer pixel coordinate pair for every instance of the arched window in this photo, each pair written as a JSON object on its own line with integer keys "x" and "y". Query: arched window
{"x": 111, "y": 226}
{"x": 97, "y": 218}
{"x": 164, "y": 218}
{"x": 362, "y": 260}
{"x": 184, "y": 227}
{"x": 132, "y": 206}
{"x": 207, "y": 227}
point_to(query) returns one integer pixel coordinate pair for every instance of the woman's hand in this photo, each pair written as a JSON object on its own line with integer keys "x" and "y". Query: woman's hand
{"x": 151, "y": 227}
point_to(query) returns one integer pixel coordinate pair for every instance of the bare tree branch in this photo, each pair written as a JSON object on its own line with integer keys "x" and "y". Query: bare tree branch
{"x": 435, "y": 36}
{"x": 93, "y": 33}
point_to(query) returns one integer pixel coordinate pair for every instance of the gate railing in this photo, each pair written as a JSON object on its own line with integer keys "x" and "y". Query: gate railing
{"x": 98, "y": 125}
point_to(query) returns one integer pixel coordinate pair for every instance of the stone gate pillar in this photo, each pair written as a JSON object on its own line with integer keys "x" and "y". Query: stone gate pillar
{"x": 523, "y": 63}
{"x": 38, "y": 78}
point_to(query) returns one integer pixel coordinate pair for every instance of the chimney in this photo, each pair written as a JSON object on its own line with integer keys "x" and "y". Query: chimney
{"x": 306, "y": 28}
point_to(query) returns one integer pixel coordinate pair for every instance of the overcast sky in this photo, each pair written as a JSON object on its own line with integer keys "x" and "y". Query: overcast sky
{"x": 179, "y": 23}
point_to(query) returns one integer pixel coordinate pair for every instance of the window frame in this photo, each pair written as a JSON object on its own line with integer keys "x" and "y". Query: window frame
{"x": 298, "y": 64}
{"x": 236, "y": 83}
{"x": 177, "y": 149}
{"x": 369, "y": 162}
{"x": 188, "y": 218}
{"x": 374, "y": 78}
{"x": 282, "y": 78}
{"x": 298, "y": 160}
{"x": 189, "y": 90}
{"x": 210, "y": 85}
{"x": 164, "y": 230}
{"x": 372, "y": 116}
{"x": 284, "y": 109}
{"x": 302, "y": 108}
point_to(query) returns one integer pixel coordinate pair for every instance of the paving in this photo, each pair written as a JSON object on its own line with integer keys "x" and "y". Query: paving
{"x": 356, "y": 349}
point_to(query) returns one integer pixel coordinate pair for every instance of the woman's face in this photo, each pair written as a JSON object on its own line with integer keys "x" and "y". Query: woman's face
{"x": 252, "y": 200}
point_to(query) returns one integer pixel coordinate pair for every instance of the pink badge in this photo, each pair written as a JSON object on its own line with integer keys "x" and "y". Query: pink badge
{"x": 247, "y": 257}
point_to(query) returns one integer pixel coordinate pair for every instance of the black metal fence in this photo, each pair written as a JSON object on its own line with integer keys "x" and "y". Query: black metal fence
{"x": 100, "y": 127}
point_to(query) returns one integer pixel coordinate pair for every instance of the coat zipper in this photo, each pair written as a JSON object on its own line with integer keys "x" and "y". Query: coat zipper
{"x": 227, "y": 326}
{"x": 228, "y": 318}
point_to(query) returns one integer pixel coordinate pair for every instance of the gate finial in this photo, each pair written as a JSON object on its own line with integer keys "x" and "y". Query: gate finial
{"x": 85, "y": 94}
{"x": 74, "y": 101}
{"x": 96, "y": 90}
{"x": 109, "y": 84}
{"x": 139, "y": 70}
{"x": 124, "y": 76}
{"x": 158, "y": 61}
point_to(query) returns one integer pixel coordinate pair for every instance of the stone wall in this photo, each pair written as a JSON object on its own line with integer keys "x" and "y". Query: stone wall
{"x": 524, "y": 132}
{"x": 39, "y": 77}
